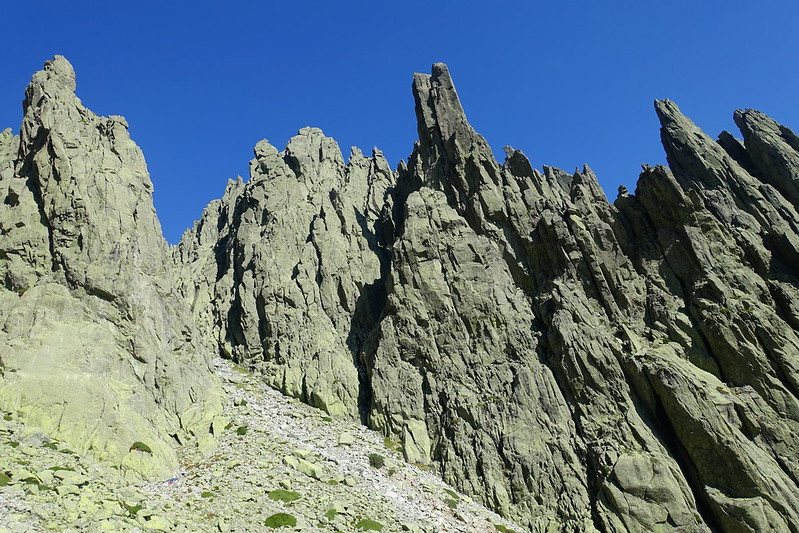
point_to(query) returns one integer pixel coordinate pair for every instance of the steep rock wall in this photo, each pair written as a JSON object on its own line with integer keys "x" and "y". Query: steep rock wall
{"x": 100, "y": 353}
{"x": 576, "y": 364}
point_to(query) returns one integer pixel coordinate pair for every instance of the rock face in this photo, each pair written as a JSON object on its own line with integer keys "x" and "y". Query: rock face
{"x": 578, "y": 365}
{"x": 286, "y": 274}
{"x": 99, "y": 352}
{"x": 575, "y": 364}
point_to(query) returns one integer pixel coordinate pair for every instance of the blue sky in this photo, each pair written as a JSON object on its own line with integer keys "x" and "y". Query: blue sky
{"x": 568, "y": 83}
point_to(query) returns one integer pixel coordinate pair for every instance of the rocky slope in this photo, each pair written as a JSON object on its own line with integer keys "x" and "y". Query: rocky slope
{"x": 276, "y": 458}
{"x": 575, "y": 364}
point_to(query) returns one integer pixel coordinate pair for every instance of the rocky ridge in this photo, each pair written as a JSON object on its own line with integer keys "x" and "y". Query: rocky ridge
{"x": 575, "y": 364}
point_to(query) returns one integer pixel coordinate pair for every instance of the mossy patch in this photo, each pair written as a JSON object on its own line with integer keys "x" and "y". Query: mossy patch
{"x": 140, "y": 446}
{"x": 207, "y": 494}
{"x": 280, "y": 520}
{"x": 132, "y": 510}
{"x": 240, "y": 369}
{"x": 367, "y": 524}
{"x": 331, "y": 514}
{"x": 376, "y": 460}
{"x": 285, "y": 496}
{"x": 241, "y": 430}
{"x": 5, "y": 480}
{"x": 393, "y": 445}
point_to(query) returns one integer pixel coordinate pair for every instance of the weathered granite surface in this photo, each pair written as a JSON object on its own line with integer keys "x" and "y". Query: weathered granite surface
{"x": 98, "y": 351}
{"x": 575, "y": 364}
{"x": 286, "y": 273}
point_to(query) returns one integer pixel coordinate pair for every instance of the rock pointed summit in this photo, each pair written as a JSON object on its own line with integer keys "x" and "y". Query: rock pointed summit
{"x": 574, "y": 364}
{"x": 101, "y": 354}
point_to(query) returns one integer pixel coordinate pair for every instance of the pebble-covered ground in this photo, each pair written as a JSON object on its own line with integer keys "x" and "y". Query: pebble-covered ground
{"x": 280, "y": 464}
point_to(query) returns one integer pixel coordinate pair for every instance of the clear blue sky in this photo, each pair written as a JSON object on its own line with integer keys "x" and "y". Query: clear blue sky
{"x": 567, "y": 82}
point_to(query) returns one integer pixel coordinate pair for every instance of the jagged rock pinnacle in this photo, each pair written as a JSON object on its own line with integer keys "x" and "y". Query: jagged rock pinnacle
{"x": 574, "y": 364}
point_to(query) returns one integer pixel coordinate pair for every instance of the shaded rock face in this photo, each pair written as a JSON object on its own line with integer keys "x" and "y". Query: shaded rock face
{"x": 577, "y": 365}
{"x": 99, "y": 352}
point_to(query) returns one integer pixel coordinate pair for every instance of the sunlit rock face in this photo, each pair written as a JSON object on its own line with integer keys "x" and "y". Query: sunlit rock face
{"x": 575, "y": 364}
{"x": 98, "y": 350}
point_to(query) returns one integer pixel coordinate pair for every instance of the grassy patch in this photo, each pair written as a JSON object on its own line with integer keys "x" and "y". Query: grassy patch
{"x": 132, "y": 509}
{"x": 376, "y": 460}
{"x": 369, "y": 525}
{"x": 280, "y": 520}
{"x": 503, "y": 529}
{"x": 452, "y": 504}
{"x": 241, "y": 430}
{"x": 240, "y": 369}
{"x": 285, "y": 496}
{"x": 140, "y": 446}
{"x": 207, "y": 494}
{"x": 393, "y": 445}
{"x": 331, "y": 514}
{"x": 5, "y": 480}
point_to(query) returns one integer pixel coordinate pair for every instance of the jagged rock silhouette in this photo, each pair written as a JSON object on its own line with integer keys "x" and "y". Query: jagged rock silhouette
{"x": 575, "y": 364}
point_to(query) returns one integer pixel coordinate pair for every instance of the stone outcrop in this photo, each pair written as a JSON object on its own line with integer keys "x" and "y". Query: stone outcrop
{"x": 99, "y": 352}
{"x": 575, "y": 364}
{"x": 578, "y": 365}
{"x": 286, "y": 272}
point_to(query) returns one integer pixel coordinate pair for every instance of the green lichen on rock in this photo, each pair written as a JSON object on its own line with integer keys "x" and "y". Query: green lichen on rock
{"x": 105, "y": 352}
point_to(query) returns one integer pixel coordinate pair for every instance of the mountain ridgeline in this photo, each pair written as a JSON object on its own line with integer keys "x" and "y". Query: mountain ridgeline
{"x": 574, "y": 364}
